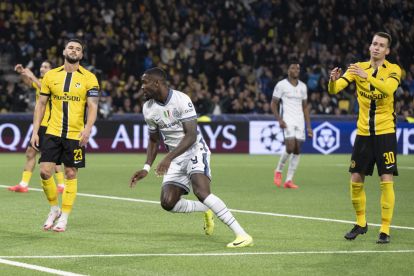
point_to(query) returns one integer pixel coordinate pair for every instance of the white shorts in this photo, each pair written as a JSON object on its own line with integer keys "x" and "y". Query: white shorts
{"x": 185, "y": 165}
{"x": 295, "y": 132}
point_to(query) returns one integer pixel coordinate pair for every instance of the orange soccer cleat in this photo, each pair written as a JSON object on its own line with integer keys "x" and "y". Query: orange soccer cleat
{"x": 290, "y": 185}
{"x": 18, "y": 188}
{"x": 277, "y": 179}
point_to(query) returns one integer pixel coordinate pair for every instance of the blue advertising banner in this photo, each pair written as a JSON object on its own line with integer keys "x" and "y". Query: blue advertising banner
{"x": 329, "y": 137}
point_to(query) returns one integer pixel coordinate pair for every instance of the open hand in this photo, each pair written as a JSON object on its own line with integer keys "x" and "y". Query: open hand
{"x": 137, "y": 176}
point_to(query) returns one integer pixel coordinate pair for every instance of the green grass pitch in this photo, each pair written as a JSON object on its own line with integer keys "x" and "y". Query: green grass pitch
{"x": 117, "y": 236}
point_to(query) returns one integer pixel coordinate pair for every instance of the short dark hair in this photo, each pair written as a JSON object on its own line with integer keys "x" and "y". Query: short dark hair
{"x": 50, "y": 63}
{"x": 158, "y": 72}
{"x": 293, "y": 60}
{"x": 385, "y": 35}
{"x": 77, "y": 40}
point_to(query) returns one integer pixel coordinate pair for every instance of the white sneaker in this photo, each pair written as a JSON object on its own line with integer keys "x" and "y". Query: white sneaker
{"x": 60, "y": 225}
{"x": 51, "y": 218}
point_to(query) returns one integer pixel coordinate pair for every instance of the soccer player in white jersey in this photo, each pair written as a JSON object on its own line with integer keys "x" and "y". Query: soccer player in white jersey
{"x": 170, "y": 114}
{"x": 289, "y": 105}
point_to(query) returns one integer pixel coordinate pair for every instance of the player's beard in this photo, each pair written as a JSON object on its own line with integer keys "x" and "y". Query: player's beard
{"x": 71, "y": 60}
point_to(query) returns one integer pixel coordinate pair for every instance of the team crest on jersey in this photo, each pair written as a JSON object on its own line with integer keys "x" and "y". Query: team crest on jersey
{"x": 176, "y": 113}
{"x": 77, "y": 85}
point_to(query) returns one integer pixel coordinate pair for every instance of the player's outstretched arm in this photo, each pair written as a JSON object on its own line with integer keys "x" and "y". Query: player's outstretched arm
{"x": 23, "y": 73}
{"x": 152, "y": 151}
{"x": 28, "y": 74}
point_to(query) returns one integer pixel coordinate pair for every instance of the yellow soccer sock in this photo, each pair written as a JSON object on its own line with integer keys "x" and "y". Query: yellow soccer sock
{"x": 60, "y": 178}
{"x": 49, "y": 187}
{"x": 359, "y": 201}
{"x": 69, "y": 195}
{"x": 26, "y": 176}
{"x": 387, "y": 205}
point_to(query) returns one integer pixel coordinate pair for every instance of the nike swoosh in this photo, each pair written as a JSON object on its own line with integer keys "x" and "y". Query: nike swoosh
{"x": 237, "y": 243}
{"x": 193, "y": 168}
{"x": 389, "y": 167}
{"x": 77, "y": 162}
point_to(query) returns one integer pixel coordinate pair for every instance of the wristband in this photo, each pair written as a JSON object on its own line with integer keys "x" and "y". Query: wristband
{"x": 146, "y": 167}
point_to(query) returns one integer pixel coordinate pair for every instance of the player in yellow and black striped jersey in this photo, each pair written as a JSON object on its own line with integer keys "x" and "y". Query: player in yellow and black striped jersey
{"x": 32, "y": 81}
{"x": 73, "y": 92}
{"x": 376, "y": 83}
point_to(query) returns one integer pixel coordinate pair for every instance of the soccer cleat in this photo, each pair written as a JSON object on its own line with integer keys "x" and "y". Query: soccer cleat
{"x": 60, "y": 188}
{"x": 60, "y": 225}
{"x": 357, "y": 230}
{"x": 277, "y": 178}
{"x": 383, "y": 238}
{"x": 18, "y": 188}
{"x": 208, "y": 222}
{"x": 290, "y": 185}
{"x": 51, "y": 218}
{"x": 241, "y": 241}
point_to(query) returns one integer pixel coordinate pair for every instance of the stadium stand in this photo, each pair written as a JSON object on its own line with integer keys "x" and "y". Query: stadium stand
{"x": 227, "y": 55}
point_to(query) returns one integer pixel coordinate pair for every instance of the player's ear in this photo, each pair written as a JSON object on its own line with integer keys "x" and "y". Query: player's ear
{"x": 387, "y": 51}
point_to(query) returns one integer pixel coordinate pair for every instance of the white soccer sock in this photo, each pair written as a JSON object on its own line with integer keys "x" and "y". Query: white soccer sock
{"x": 23, "y": 184}
{"x": 54, "y": 208}
{"x": 293, "y": 164}
{"x": 282, "y": 161}
{"x": 64, "y": 216}
{"x": 189, "y": 206}
{"x": 220, "y": 209}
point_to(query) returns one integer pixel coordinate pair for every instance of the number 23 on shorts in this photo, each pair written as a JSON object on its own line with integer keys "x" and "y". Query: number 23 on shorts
{"x": 77, "y": 155}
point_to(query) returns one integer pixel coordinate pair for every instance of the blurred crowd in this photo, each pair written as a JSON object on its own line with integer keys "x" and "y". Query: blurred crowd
{"x": 226, "y": 55}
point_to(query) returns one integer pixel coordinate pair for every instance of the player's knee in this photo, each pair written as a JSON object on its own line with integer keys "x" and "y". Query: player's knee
{"x": 201, "y": 194}
{"x": 30, "y": 154}
{"x": 70, "y": 173}
{"x": 167, "y": 205}
{"x": 45, "y": 173}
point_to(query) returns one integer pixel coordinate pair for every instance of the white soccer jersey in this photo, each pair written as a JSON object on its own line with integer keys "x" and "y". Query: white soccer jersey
{"x": 291, "y": 98}
{"x": 168, "y": 118}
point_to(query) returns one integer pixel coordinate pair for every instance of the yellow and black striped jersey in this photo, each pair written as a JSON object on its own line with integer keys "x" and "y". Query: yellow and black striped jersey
{"x": 68, "y": 93}
{"x": 375, "y": 96}
{"x": 46, "y": 117}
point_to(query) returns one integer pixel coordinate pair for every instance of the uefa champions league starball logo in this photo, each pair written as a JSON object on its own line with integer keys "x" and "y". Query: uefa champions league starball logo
{"x": 271, "y": 138}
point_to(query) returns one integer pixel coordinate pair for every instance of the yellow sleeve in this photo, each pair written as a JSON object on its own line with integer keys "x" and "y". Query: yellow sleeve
{"x": 92, "y": 86}
{"x": 334, "y": 87}
{"x": 45, "y": 88}
{"x": 390, "y": 84}
{"x": 34, "y": 85}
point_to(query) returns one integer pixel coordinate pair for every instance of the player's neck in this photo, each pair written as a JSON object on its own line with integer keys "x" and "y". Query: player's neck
{"x": 163, "y": 96}
{"x": 293, "y": 81}
{"x": 377, "y": 63}
{"x": 70, "y": 68}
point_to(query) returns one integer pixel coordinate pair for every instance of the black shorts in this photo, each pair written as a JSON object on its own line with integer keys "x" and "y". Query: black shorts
{"x": 41, "y": 133}
{"x": 371, "y": 150}
{"x": 56, "y": 149}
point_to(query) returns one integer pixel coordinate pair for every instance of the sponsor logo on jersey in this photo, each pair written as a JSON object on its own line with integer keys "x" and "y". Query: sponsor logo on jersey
{"x": 66, "y": 98}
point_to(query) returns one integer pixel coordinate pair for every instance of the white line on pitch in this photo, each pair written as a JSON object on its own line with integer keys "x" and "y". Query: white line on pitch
{"x": 233, "y": 210}
{"x": 211, "y": 254}
{"x": 38, "y": 268}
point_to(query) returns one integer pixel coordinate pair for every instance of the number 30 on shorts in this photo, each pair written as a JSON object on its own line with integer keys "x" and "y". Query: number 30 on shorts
{"x": 389, "y": 158}
{"x": 77, "y": 154}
